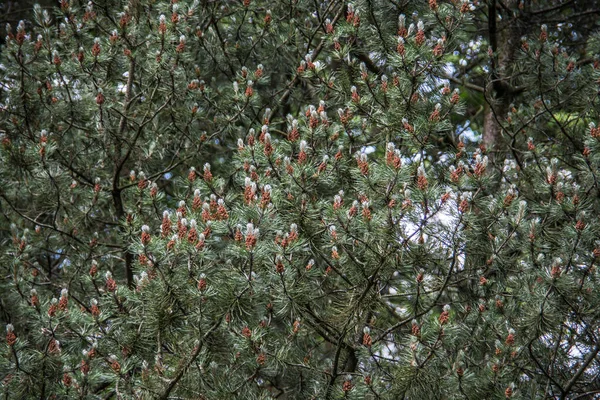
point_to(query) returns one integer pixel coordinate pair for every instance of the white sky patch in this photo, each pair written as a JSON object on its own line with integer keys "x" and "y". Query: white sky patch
{"x": 368, "y": 149}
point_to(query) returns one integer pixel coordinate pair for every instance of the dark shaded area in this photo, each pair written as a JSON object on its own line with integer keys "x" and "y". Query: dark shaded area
{"x": 11, "y": 12}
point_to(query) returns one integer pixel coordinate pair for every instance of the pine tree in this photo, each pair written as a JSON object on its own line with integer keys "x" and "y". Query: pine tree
{"x": 252, "y": 199}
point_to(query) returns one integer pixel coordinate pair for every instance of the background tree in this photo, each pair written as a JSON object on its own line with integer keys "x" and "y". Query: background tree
{"x": 301, "y": 200}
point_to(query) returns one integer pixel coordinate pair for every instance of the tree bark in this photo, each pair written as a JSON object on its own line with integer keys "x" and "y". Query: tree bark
{"x": 504, "y": 42}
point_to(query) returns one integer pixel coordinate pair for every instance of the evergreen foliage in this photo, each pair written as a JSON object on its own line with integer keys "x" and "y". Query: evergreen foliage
{"x": 296, "y": 199}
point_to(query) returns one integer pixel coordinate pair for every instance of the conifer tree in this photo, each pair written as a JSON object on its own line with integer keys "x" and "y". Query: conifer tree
{"x": 321, "y": 200}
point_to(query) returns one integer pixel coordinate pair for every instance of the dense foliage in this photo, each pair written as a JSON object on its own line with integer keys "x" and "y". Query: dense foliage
{"x": 301, "y": 199}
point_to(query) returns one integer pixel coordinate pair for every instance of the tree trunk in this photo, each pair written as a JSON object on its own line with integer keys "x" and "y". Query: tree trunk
{"x": 504, "y": 41}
